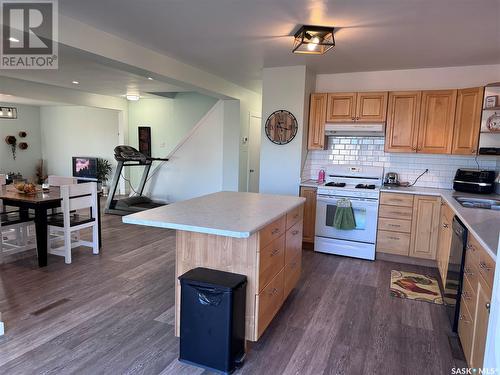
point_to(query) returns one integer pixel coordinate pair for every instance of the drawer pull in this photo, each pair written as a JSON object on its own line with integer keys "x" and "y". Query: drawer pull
{"x": 465, "y": 296}
{"x": 484, "y": 266}
{"x": 468, "y": 272}
{"x": 275, "y": 252}
{"x": 394, "y": 225}
{"x": 487, "y": 306}
{"x": 273, "y": 292}
{"x": 470, "y": 247}
{"x": 445, "y": 225}
{"x": 295, "y": 232}
{"x": 394, "y": 238}
{"x": 275, "y": 230}
{"x": 462, "y": 318}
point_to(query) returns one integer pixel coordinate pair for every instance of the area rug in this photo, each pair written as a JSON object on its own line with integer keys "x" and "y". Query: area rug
{"x": 415, "y": 286}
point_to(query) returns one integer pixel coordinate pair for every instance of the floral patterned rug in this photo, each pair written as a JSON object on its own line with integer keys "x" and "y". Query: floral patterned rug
{"x": 415, "y": 286}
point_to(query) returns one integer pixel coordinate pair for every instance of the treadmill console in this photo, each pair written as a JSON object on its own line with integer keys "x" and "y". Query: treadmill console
{"x": 128, "y": 153}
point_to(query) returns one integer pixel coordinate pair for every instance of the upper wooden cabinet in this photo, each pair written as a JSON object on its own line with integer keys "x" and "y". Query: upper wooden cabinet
{"x": 371, "y": 106}
{"x": 402, "y": 121}
{"x": 467, "y": 121}
{"x": 358, "y": 107}
{"x": 425, "y": 227}
{"x": 317, "y": 119}
{"x": 341, "y": 107}
{"x": 437, "y": 115}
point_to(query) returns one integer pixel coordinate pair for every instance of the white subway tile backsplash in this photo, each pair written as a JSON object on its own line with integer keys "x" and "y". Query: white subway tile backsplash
{"x": 370, "y": 151}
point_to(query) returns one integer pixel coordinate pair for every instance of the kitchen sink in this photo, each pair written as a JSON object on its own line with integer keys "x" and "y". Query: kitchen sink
{"x": 490, "y": 204}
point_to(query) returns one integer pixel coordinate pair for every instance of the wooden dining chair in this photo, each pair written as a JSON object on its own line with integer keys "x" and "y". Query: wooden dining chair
{"x": 64, "y": 224}
{"x": 14, "y": 233}
{"x": 61, "y": 180}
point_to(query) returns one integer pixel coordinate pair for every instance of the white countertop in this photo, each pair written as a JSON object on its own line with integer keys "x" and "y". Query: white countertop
{"x": 230, "y": 214}
{"x": 482, "y": 223}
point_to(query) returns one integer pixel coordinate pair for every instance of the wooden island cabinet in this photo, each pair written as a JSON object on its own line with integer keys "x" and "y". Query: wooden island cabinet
{"x": 256, "y": 235}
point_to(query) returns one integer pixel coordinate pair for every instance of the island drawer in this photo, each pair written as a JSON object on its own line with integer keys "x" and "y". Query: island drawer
{"x": 393, "y": 242}
{"x": 395, "y": 199}
{"x": 394, "y": 225}
{"x": 292, "y": 273}
{"x": 269, "y": 302}
{"x": 395, "y": 212}
{"x": 294, "y": 216}
{"x": 293, "y": 244}
{"x": 272, "y": 231}
{"x": 271, "y": 261}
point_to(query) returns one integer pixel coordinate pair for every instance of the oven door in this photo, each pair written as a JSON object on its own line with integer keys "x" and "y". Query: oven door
{"x": 365, "y": 216}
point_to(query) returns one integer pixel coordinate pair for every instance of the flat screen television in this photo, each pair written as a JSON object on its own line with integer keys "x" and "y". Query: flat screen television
{"x": 85, "y": 168}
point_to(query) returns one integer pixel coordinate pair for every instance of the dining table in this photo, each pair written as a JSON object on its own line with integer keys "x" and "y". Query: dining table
{"x": 40, "y": 202}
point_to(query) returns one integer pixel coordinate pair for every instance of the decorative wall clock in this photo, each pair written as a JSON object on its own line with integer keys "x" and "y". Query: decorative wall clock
{"x": 281, "y": 127}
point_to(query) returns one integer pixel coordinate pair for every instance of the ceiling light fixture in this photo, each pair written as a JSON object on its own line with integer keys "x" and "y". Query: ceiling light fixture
{"x": 8, "y": 112}
{"x": 14, "y": 40}
{"x": 132, "y": 97}
{"x": 75, "y": 82}
{"x": 313, "y": 40}
{"x": 150, "y": 78}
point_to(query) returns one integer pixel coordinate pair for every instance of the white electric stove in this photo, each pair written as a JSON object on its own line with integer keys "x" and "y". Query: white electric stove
{"x": 361, "y": 185}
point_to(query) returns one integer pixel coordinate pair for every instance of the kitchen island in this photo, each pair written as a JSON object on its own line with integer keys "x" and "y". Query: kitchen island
{"x": 256, "y": 235}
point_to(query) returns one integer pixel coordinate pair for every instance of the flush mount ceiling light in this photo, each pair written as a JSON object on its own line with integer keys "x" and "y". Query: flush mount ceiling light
{"x": 132, "y": 97}
{"x": 8, "y": 112}
{"x": 313, "y": 40}
{"x": 75, "y": 82}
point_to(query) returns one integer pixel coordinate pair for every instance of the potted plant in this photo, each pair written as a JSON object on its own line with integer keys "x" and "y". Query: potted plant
{"x": 104, "y": 169}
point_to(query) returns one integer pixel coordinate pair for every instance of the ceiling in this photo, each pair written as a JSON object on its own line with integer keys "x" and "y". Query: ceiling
{"x": 12, "y": 99}
{"x": 236, "y": 38}
{"x": 94, "y": 75}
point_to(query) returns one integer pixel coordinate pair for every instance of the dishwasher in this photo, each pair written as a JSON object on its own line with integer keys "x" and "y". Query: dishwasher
{"x": 455, "y": 273}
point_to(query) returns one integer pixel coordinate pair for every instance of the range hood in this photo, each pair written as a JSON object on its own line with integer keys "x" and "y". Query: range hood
{"x": 355, "y": 129}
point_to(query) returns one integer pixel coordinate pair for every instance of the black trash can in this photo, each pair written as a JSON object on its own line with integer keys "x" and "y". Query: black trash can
{"x": 213, "y": 319}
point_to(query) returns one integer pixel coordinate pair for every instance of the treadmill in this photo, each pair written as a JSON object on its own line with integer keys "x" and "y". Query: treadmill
{"x": 127, "y": 156}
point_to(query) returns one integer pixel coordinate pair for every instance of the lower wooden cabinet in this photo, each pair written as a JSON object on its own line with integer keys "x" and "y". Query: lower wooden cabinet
{"x": 444, "y": 241}
{"x": 309, "y": 212}
{"x": 425, "y": 226}
{"x": 408, "y": 225}
{"x": 475, "y": 304}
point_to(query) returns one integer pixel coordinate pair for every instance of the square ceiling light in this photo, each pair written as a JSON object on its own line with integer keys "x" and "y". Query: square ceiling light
{"x": 313, "y": 40}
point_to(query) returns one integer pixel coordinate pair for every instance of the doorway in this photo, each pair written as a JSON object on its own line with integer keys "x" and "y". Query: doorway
{"x": 254, "y": 133}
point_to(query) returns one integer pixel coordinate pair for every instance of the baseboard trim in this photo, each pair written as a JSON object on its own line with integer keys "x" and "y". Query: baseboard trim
{"x": 406, "y": 259}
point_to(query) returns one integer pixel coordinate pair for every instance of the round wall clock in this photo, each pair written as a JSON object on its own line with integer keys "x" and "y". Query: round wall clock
{"x": 281, "y": 127}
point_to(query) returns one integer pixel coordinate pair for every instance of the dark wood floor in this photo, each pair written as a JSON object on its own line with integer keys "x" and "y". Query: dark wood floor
{"x": 113, "y": 314}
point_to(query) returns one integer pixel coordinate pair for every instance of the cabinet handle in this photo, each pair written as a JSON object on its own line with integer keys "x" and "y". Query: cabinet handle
{"x": 273, "y": 292}
{"x": 465, "y": 296}
{"x": 295, "y": 232}
{"x": 462, "y": 317}
{"x": 275, "y": 252}
{"x": 445, "y": 225}
{"x": 357, "y": 118}
{"x": 353, "y": 118}
{"x": 394, "y": 238}
{"x": 473, "y": 152}
{"x": 487, "y": 306}
{"x": 394, "y": 225}
{"x": 275, "y": 230}
{"x": 470, "y": 247}
{"x": 484, "y": 266}
{"x": 468, "y": 272}
{"x": 414, "y": 148}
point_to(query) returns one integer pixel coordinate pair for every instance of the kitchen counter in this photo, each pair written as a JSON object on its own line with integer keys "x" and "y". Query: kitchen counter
{"x": 484, "y": 224}
{"x": 310, "y": 183}
{"x": 226, "y": 213}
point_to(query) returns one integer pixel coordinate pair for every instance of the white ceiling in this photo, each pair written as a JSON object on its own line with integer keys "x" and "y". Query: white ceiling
{"x": 12, "y": 99}
{"x": 236, "y": 38}
{"x": 94, "y": 75}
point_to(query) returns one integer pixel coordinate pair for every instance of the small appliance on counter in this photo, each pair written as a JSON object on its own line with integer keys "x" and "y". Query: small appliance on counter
{"x": 474, "y": 181}
{"x": 391, "y": 178}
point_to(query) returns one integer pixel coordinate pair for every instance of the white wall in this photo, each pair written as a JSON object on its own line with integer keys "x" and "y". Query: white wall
{"x": 28, "y": 119}
{"x": 68, "y": 131}
{"x": 280, "y": 165}
{"x": 197, "y": 167}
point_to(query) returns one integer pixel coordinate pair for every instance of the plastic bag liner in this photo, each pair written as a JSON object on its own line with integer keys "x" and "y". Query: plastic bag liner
{"x": 209, "y": 296}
